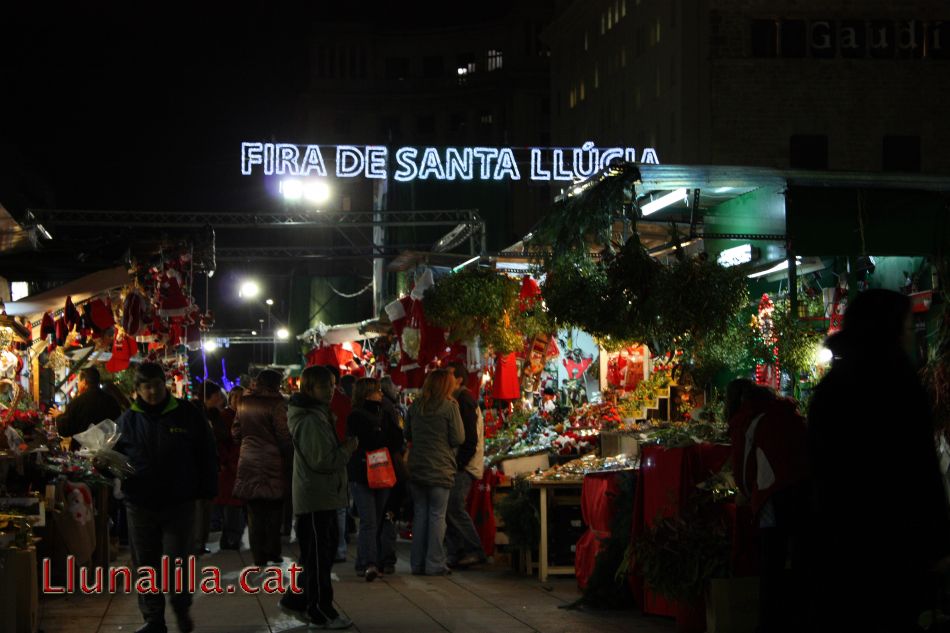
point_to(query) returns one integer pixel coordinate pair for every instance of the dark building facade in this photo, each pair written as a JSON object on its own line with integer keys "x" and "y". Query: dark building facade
{"x": 787, "y": 83}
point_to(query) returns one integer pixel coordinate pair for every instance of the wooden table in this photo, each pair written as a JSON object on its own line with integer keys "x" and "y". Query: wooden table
{"x": 545, "y": 569}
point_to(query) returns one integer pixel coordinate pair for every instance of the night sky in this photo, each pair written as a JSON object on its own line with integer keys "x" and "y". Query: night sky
{"x": 129, "y": 109}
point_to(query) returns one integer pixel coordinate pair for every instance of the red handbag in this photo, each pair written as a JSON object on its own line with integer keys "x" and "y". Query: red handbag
{"x": 379, "y": 469}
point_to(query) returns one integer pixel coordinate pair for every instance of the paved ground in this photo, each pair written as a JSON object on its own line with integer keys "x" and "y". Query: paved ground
{"x": 474, "y": 601}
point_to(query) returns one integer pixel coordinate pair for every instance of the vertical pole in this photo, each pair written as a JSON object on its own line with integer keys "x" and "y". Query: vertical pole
{"x": 380, "y": 191}
{"x": 273, "y": 335}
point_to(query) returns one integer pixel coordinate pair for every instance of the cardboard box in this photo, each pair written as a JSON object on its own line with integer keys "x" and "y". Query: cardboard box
{"x": 19, "y": 596}
{"x": 613, "y": 444}
{"x": 528, "y": 464}
{"x": 732, "y": 605}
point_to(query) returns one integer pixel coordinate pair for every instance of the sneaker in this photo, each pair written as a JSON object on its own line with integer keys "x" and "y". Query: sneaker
{"x": 338, "y": 623}
{"x": 288, "y": 608}
{"x": 371, "y": 573}
{"x": 470, "y": 559}
{"x": 185, "y": 623}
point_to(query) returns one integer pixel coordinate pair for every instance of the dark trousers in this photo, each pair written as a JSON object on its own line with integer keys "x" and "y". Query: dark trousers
{"x": 167, "y": 531}
{"x": 461, "y": 537}
{"x": 264, "y": 519}
{"x": 232, "y": 525}
{"x": 317, "y": 535}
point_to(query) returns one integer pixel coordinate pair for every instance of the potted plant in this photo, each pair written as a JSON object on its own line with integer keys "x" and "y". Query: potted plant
{"x": 677, "y": 556}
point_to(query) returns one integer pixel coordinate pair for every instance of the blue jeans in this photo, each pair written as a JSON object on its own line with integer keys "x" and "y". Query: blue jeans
{"x": 427, "y": 554}
{"x": 341, "y": 529}
{"x": 461, "y": 537}
{"x": 370, "y": 506}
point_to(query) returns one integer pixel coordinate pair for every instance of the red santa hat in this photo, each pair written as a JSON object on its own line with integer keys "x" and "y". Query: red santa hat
{"x": 100, "y": 314}
{"x": 123, "y": 349}
{"x": 48, "y": 326}
{"x": 70, "y": 314}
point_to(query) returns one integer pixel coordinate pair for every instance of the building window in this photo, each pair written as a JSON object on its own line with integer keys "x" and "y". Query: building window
{"x": 616, "y": 11}
{"x": 596, "y": 77}
{"x": 657, "y": 36}
{"x": 433, "y": 67}
{"x": 623, "y": 8}
{"x": 583, "y": 92}
{"x": 486, "y": 117}
{"x": 808, "y": 151}
{"x": 466, "y": 64}
{"x": 586, "y": 43}
{"x": 397, "y": 68}
{"x": 900, "y": 153}
{"x": 572, "y": 99}
{"x": 603, "y": 23}
{"x": 610, "y": 19}
{"x": 494, "y": 60}
{"x": 19, "y": 289}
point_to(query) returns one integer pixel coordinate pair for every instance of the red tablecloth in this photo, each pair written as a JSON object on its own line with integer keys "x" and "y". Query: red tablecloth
{"x": 480, "y": 508}
{"x": 598, "y": 499}
{"x": 667, "y": 476}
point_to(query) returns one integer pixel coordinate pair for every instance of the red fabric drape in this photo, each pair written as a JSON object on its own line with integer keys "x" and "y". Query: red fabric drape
{"x": 667, "y": 477}
{"x": 598, "y": 504}
{"x": 480, "y": 508}
{"x": 505, "y": 384}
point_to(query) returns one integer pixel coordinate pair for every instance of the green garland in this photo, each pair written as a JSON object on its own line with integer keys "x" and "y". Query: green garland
{"x": 798, "y": 343}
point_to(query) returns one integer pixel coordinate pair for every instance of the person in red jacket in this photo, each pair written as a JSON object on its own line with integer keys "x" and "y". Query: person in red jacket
{"x": 770, "y": 464}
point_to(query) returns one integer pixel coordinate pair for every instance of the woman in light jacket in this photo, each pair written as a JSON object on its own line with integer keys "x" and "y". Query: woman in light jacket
{"x": 435, "y": 431}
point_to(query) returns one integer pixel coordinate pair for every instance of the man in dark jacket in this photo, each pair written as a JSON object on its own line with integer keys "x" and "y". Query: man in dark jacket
{"x": 91, "y": 406}
{"x": 463, "y": 547}
{"x": 170, "y": 445}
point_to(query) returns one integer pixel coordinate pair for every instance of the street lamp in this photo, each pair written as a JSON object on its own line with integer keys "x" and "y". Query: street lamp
{"x": 283, "y": 334}
{"x": 269, "y": 302}
{"x": 249, "y": 289}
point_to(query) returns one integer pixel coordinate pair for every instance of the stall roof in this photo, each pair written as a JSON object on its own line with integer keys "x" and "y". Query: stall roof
{"x": 80, "y": 290}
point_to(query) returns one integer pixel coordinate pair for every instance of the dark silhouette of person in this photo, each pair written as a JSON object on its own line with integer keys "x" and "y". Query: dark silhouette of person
{"x": 881, "y": 518}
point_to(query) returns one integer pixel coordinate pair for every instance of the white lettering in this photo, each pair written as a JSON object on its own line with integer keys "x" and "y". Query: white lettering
{"x": 906, "y": 35}
{"x": 591, "y": 154}
{"x": 287, "y": 156}
{"x": 460, "y": 165}
{"x": 649, "y": 157}
{"x": 537, "y": 173}
{"x": 349, "y": 161}
{"x": 507, "y": 165}
{"x": 609, "y": 155}
{"x": 407, "y": 168}
{"x": 268, "y": 159}
{"x": 251, "y": 154}
{"x": 312, "y": 161}
{"x": 848, "y": 36}
{"x": 431, "y": 164}
{"x": 558, "y": 171}
{"x": 376, "y": 161}
{"x": 630, "y": 155}
{"x": 879, "y": 37}
{"x": 820, "y": 35}
{"x": 484, "y": 155}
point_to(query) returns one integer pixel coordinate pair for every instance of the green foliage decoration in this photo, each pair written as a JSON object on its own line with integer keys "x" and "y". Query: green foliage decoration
{"x": 476, "y": 303}
{"x": 521, "y": 516}
{"x": 678, "y": 555}
{"x": 797, "y": 343}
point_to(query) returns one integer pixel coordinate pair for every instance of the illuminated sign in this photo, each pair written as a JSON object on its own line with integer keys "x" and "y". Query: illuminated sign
{"x": 736, "y": 255}
{"x": 437, "y": 163}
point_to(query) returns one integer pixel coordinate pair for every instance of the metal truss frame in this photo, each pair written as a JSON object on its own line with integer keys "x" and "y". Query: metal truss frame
{"x": 463, "y": 225}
